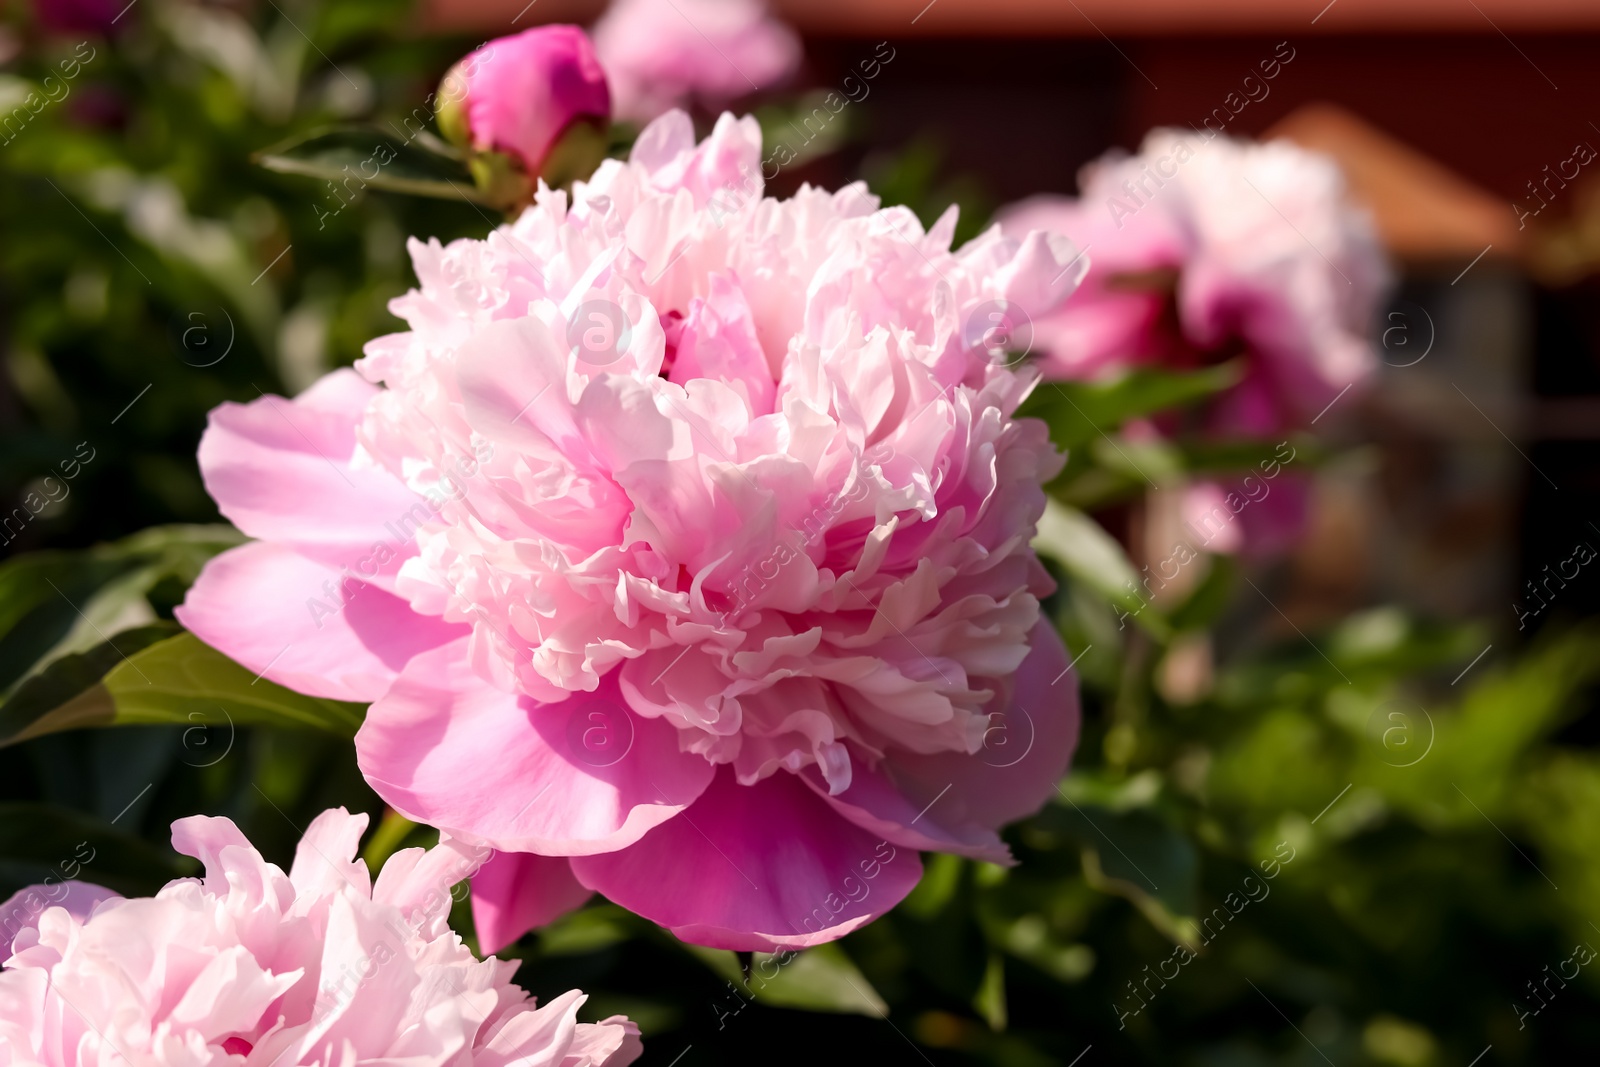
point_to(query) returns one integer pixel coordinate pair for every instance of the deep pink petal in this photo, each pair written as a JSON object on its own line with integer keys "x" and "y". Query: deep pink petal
{"x": 586, "y": 775}
{"x": 281, "y": 470}
{"x": 719, "y": 341}
{"x": 1029, "y": 745}
{"x": 517, "y": 891}
{"x": 877, "y": 804}
{"x": 284, "y": 615}
{"x": 756, "y": 868}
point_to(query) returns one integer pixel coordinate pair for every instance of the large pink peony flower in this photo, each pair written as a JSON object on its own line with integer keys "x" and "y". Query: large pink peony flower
{"x": 685, "y": 553}
{"x": 1203, "y": 250}
{"x": 251, "y": 966}
{"x": 662, "y": 54}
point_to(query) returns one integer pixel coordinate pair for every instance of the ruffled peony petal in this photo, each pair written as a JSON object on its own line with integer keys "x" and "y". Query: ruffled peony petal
{"x": 305, "y": 625}
{"x": 517, "y": 891}
{"x": 419, "y": 881}
{"x": 568, "y": 779}
{"x": 326, "y": 858}
{"x": 553, "y": 1029}
{"x": 611, "y": 1042}
{"x": 756, "y": 868}
{"x": 1026, "y": 748}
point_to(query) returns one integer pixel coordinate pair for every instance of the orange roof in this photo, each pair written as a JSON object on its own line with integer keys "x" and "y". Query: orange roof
{"x": 1425, "y": 212}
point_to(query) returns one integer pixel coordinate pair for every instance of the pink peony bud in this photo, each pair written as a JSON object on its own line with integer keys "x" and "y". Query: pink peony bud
{"x": 518, "y": 95}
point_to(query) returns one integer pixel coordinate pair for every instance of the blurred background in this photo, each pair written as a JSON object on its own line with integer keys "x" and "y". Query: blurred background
{"x": 1379, "y": 712}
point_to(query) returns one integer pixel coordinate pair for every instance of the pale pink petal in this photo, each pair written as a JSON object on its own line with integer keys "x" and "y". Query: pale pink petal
{"x": 419, "y": 881}
{"x": 611, "y": 1042}
{"x": 756, "y": 868}
{"x": 663, "y": 140}
{"x": 289, "y": 617}
{"x": 726, "y": 165}
{"x": 22, "y": 909}
{"x": 325, "y": 860}
{"x": 282, "y": 469}
{"x": 517, "y": 891}
{"x": 550, "y": 1028}
{"x": 232, "y": 867}
{"x": 582, "y": 776}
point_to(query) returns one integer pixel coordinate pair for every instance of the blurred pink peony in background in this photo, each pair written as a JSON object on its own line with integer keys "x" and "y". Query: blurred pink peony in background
{"x": 518, "y": 94}
{"x": 1206, "y": 250}
{"x": 662, "y": 54}
{"x": 685, "y": 551}
{"x": 1202, "y": 250}
{"x": 251, "y": 966}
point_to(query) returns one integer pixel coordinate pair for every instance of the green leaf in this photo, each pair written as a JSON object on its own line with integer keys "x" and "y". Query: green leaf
{"x": 54, "y": 603}
{"x": 1230, "y": 456}
{"x": 67, "y": 844}
{"x": 991, "y": 999}
{"x": 1079, "y": 412}
{"x": 821, "y": 978}
{"x": 1210, "y": 598}
{"x": 70, "y": 676}
{"x": 941, "y": 878}
{"x": 1469, "y": 774}
{"x": 1135, "y": 853}
{"x": 723, "y": 963}
{"x": 355, "y": 158}
{"x": 39, "y": 594}
{"x": 1094, "y": 559}
{"x": 175, "y": 680}
{"x": 392, "y": 831}
{"x": 600, "y": 927}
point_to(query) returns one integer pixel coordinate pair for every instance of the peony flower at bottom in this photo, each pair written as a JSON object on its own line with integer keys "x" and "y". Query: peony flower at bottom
{"x": 251, "y": 966}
